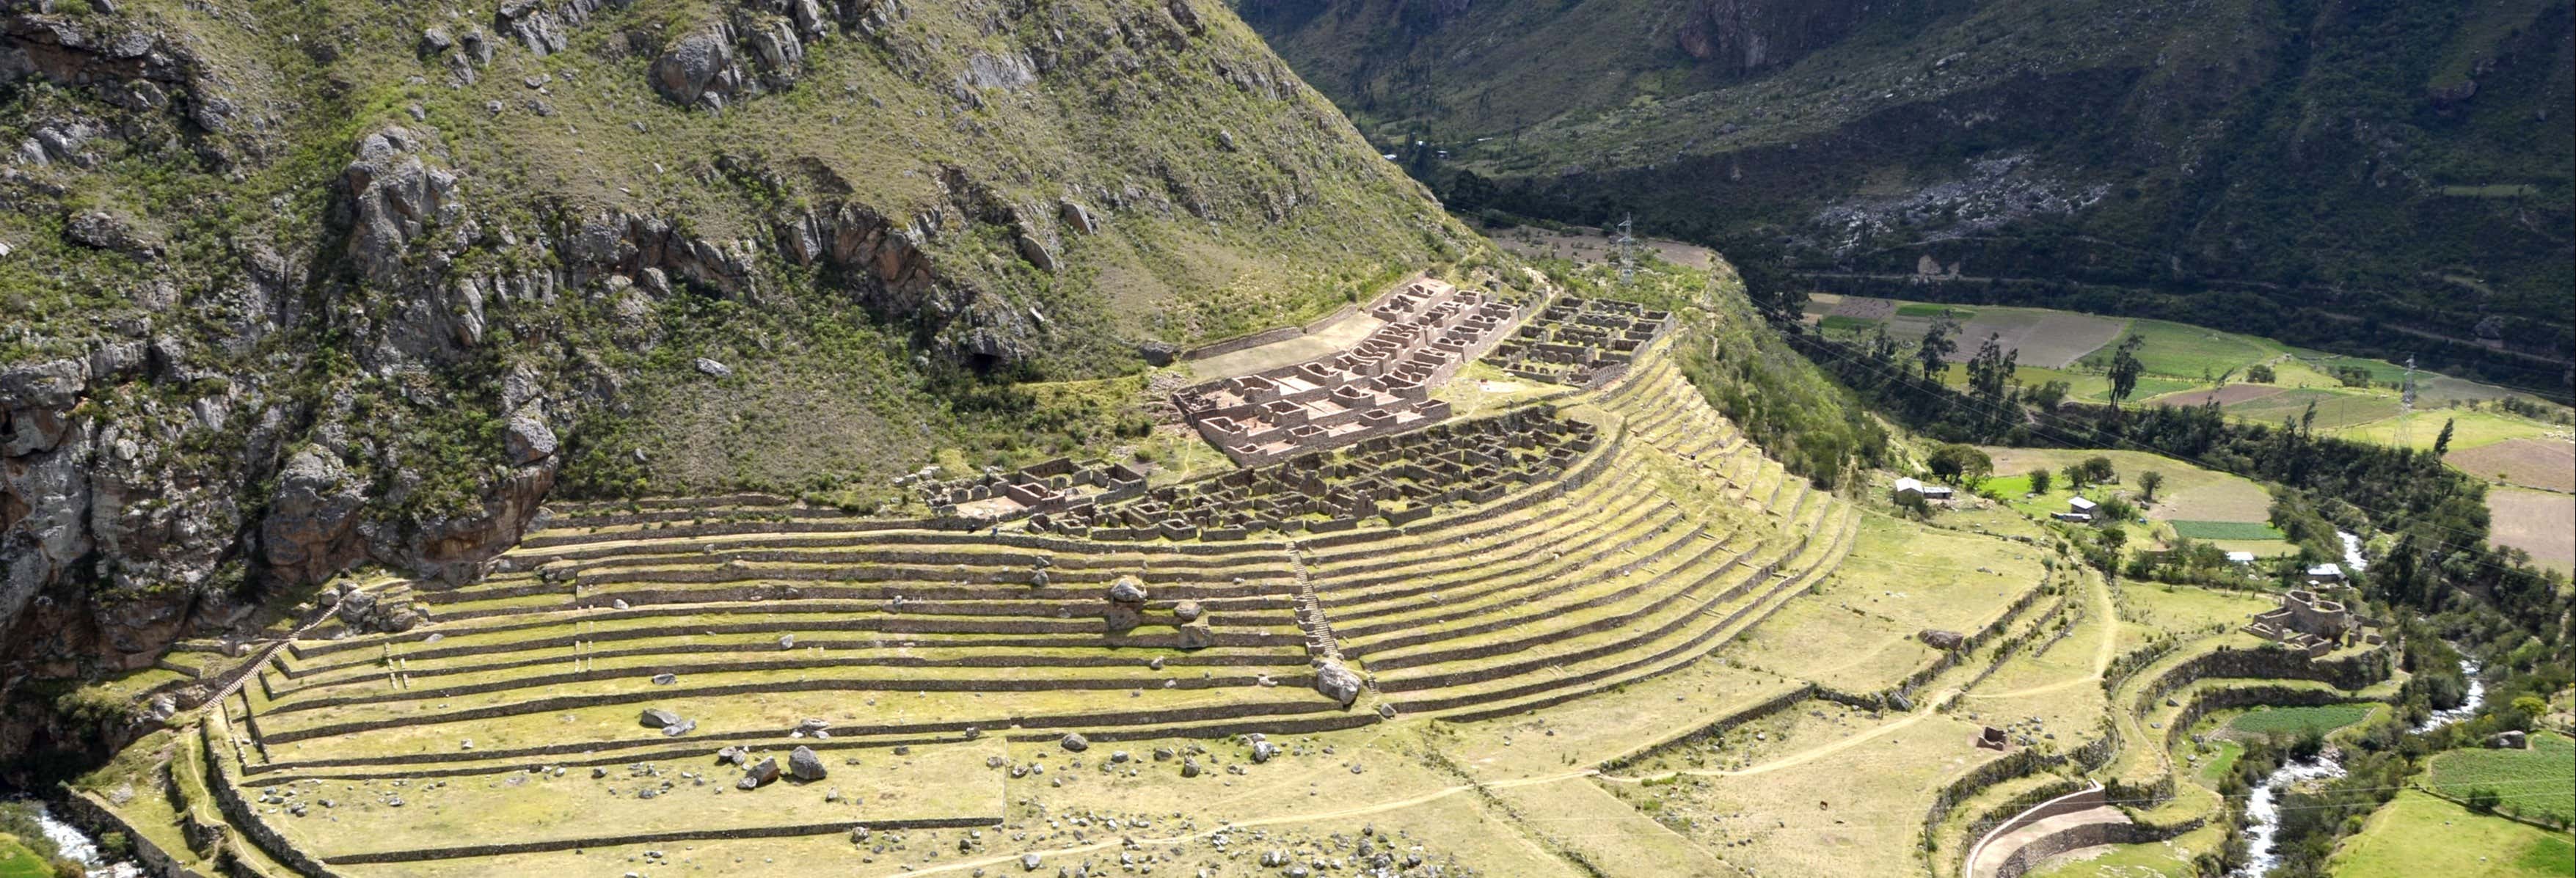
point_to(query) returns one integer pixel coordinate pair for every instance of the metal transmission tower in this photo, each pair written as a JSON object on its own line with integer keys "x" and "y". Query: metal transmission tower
{"x": 1627, "y": 251}
{"x": 2406, "y": 406}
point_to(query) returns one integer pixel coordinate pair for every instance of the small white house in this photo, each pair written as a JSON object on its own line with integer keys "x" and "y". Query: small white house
{"x": 2240, "y": 558}
{"x": 1911, "y": 485}
{"x": 2081, "y": 506}
{"x": 2328, "y": 572}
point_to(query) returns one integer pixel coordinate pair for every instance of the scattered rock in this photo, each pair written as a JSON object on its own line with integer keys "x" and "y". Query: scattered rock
{"x": 657, "y": 718}
{"x": 806, "y": 766}
{"x": 1074, "y": 742}
{"x": 759, "y": 774}
{"x": 713, "y": 369}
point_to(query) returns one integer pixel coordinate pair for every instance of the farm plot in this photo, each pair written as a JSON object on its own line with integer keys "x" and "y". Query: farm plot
{"x": 2541, "y": 523}
{"x": 2225, "y": 396}
{"x": 2187, "y": 351}
{"x": 2547, "y": 464}
{"x": 2226, "y": 530}
{"x": 2050, "y": 339}
{"x": 2539, "y": 782}
{"x": 2335, "y": 408}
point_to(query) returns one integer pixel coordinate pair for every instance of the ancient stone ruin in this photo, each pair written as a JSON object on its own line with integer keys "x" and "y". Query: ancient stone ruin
{"x": 2308, "y": 622}
{"x": 1398, "y": 479}
{"x": 1581, "y": 342}
{"x": 1379, "y": 387}
{"x": 1001, "y": 496}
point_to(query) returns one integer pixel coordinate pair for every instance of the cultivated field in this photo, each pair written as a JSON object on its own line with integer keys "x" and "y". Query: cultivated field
{"x": 2188, "y": 365}
{"x": 2541, "y": 523}
{"x": 2539, "y": 782}
{"x": 2547, "y": 464}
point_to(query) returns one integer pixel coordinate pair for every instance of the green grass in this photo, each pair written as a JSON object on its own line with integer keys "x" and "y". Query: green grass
{"x": 2416, "y": 829}
{"x": 2186, "y": 351}
{"x": 17, "y": 861}
{"x": 1920, "y": 309}
{"x": 2299, "y": 720}
{"x": 2539, "y": 782}
{"x": 2226, "y": 530}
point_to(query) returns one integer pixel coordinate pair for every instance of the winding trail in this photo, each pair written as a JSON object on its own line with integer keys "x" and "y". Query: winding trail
{"x": 2103, "y": 652}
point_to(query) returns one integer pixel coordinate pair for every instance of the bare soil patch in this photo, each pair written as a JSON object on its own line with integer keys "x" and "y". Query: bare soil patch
{"x": 2228, "y": 395}
{"x": 2547, "y": 464}
{"x": 2054, "y": 340}
{"x": 2540, "y": 523}
{"x": 1865, "y": 308}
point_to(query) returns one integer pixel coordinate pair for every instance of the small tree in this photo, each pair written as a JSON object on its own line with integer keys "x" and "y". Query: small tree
{"x": 2442, "y": 443}
{"x": 1960, "y": 464}
{"x": 2039, "y": 479}
{"x": 1913, "y": 504}
{"x": 2149, "y": 481}
{"x": 2125, "y": 368}
{"x": 2261, "y": 374}
{"x": 2075, "y": 477}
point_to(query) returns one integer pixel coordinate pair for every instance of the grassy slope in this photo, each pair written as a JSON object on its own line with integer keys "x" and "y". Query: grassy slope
{"x": 2414, "y": 831}
{"x": 1232, "y": 198}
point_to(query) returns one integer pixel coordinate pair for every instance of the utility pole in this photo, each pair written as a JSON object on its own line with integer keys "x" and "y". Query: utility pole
{"x": 2406, "y": 406}
{"x": 1627, "y": 250}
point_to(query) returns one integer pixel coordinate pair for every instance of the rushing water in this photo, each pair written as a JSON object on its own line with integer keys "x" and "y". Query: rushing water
{"x": 2262, "y": 809}
{"x": 2352, "y": 561}
{"x": 2469, "y": 708}
{"x": 2263, "y": 812}
{"x": 77, "y": 846}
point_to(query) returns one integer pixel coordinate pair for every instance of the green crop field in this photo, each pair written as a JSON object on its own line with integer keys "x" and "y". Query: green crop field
{"x": 1926, "y": 309}
{"x": 2299, "y": 720}
{"x": 2539, "y": 782}
{"x": 2226, "y": 530}
{"x": 2187, "y": 351}
{"x": 2415, "y": 829}
{"x": 1844, "y": 322}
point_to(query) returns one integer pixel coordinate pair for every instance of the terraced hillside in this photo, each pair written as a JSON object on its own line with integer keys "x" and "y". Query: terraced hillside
{"x": 934, "y": 660}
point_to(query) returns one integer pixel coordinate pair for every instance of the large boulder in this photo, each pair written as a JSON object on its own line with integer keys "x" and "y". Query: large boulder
{"x": 1075, "y": 742}
{"x": 1127, "y": 590}
{"x": 806, "y": 766}
{"x": 759, "y": 774}
{"x": 1941, "y": 640}
{"x": 657, "y": 718}
{"x": 1338, "y": 683}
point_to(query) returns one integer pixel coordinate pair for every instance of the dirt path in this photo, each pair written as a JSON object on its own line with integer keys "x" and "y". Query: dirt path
{"x": 2102, "y": 653}
{"x": 1930, "y": 706}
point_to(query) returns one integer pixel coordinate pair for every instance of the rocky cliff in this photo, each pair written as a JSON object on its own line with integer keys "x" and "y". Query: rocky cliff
{"x": 294, "y": 289}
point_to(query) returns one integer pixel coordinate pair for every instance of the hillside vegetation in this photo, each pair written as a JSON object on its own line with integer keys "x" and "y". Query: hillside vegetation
{"x": 2356, "y": 174}
{"x": 294, "y": 287}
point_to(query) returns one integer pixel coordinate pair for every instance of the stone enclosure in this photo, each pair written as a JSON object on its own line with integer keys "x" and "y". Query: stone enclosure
{"x": 1379, "y": 387}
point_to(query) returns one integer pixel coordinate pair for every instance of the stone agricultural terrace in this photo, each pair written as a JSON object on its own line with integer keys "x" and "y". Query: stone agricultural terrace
{"x": 679, "y": 673}
{"x": 1378, "y": 387}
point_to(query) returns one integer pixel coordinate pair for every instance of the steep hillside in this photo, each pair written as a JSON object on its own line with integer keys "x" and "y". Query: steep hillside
{"x": 2288, "y": 164}
{"x": 294, "y": 287}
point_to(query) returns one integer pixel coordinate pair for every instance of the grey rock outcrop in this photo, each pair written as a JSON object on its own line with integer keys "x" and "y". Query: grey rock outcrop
{"x": 1338, "y": 683}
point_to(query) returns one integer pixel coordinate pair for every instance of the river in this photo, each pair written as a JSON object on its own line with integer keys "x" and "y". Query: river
{"x": 77, "y": 846}
{"x": 2262, "y": 809}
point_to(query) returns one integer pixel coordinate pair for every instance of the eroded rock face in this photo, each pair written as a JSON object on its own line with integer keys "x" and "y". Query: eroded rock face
{"x": 311, "y": 529}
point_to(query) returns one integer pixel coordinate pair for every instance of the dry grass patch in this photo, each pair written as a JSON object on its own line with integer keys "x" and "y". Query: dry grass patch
{"x": 2540, "y": 523}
